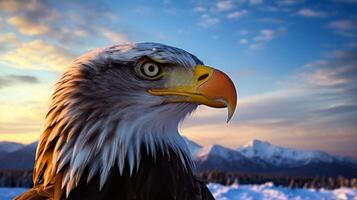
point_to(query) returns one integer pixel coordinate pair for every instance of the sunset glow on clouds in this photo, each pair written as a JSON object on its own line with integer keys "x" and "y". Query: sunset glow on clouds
{"x": 294, "y": 63}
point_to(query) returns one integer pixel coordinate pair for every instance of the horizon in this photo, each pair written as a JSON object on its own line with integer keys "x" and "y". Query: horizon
{"x": 294, "y": 63}
{"x": 232, "y": 148}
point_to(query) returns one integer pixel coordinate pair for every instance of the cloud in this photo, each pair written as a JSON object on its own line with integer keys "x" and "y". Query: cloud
{"x": 32, "y": 6}
{"x": 289, "y": 2}
{"x": 256, "y": 2}
{"x": 16, "y": 79}
{"x": 306, "y": 97}
{"x": 265, "y": 35}
{"x": 339, "y": 72}
{"x": 23, "y": 121}
{"x": 306, "y": 107}
{"x": 71, "y": 26}
{"x": 346, "y": 1}
{"x": 38, "y": 55}
{"x": 38, "y": 18}
{"x": 199, "y": 9}
{"x": 271, "y": 20}
{"x": 306, "y": 12}
{"x": 8, "y": 41}
{"x": 28, "y": 27}
{"x": 237, "y": 14}
{"x": 347, "y": 27}
{"x": 224, "y": 5}
{"x": 243, "y": 41}
{"x": 115, "y": 37}
{"x": 32, "y": 13}
{"x": 243, "y": 32}
{"x": 208, "y": 21}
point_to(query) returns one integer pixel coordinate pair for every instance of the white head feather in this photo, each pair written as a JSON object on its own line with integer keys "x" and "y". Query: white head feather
{"x": 96, "y": 121}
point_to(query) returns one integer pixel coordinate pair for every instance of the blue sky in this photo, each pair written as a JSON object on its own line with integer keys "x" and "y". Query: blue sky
{"x": 293, "y": 62}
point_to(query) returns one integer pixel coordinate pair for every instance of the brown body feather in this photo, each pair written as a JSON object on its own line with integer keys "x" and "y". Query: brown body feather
{"x": 160, "y": 178}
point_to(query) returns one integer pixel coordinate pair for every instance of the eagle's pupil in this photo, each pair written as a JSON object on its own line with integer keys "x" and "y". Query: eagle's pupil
{"x": 151, "y": 68}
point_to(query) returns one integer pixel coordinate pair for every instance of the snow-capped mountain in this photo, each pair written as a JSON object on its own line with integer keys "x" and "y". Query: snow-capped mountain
{"x": 256, "y": 157}
{"x": 219, "y": 151}
{"x": 265, "y": 158}
{"x": 217, "y": 157}
{"x": 281, "y": 156}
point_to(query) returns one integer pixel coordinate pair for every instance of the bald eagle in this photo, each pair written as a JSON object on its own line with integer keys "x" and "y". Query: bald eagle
{"x": 111, "y": 131}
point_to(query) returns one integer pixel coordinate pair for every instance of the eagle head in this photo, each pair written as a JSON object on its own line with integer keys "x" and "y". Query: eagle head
{"x": 113, "y": 102}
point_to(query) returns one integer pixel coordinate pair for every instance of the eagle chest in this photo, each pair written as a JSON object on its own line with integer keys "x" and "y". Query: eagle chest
{"x": 162, "y": 177}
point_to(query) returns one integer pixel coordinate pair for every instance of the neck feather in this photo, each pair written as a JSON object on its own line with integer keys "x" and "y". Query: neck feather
{"x": 81, "y": 134}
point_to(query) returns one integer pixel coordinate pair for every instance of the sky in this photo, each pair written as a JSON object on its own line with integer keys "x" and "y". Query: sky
{"x": 294, "y": 63}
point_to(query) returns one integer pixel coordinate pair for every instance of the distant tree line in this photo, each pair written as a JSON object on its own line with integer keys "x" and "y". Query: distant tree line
{"x": 225, "y": 178}
{"x": 14, "y": 178}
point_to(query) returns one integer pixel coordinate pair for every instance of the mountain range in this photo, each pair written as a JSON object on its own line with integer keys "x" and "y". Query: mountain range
{"x": 255, "y": 157}
{"x": 259, "y": 157}
{"x": 17, "y": 156}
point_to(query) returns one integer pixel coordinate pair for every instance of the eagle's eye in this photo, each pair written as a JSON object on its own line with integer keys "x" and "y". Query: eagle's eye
{"x": 150, "y": 70}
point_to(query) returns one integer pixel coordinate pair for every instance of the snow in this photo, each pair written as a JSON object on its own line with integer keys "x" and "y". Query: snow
{"x": 10, "y": 193}
{"x": 269, "y": 192}
{"x": 220, "y": 151}
{"x": 280, "y": 155}
{"x": 260, "y": 150}
{"x": 248, "y": 192}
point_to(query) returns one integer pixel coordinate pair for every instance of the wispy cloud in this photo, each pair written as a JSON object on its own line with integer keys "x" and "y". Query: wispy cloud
{"x": 199, "y": 9}
{"x": 289, "y": 2}
{"x": 316, "y": 102}
{"x": 114, "y": 36}
{"x": 30, "y": 18}
{"x": 39, "y": 18}
{"x": 237, "y": 14}
{"x": 208, "y": 21}
{"x": 11, "y": 79}
{"x": 271, "y": 20}
{"x": 0, "y": 23}
{"x": 346, "y": 1}
{"x": 8, "y": 41}
{"x": 346, "y": 27}
{"x": 319, "y": 86}
{"x": 243, "y": 32}
{"x": 243, "y": 41}
{"x": 28, "y": 27}
{"x": 38, "y": 55}
{"x": 266, "y": 35}
{"x": 225, "y": 5}
{"x": 255, "y": 2}
{"x": 23, "y": 121}
{"x": 307, "y": 12}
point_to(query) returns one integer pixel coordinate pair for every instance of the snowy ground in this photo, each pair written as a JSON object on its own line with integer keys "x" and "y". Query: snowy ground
{"x": 248, "y": 192}
{"x": 268, "y": 191}
{"x": 10, "y": 193}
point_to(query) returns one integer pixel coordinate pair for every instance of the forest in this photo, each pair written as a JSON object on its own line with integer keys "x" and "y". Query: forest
{"x": 20, "y": 178}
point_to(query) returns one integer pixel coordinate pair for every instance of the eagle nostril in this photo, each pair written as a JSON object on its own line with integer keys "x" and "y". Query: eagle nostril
{"x": 202, "y": 77}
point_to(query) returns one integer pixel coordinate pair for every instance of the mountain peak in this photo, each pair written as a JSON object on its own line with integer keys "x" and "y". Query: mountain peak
{"x": 220, "y": 151}
{"x": 281, "y": 155}
{"x": 257, "y": 143}
{"x": 9, "y": 147}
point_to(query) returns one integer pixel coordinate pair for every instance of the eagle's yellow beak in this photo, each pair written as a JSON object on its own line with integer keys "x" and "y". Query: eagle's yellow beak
{"x": 210, "y": 87}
